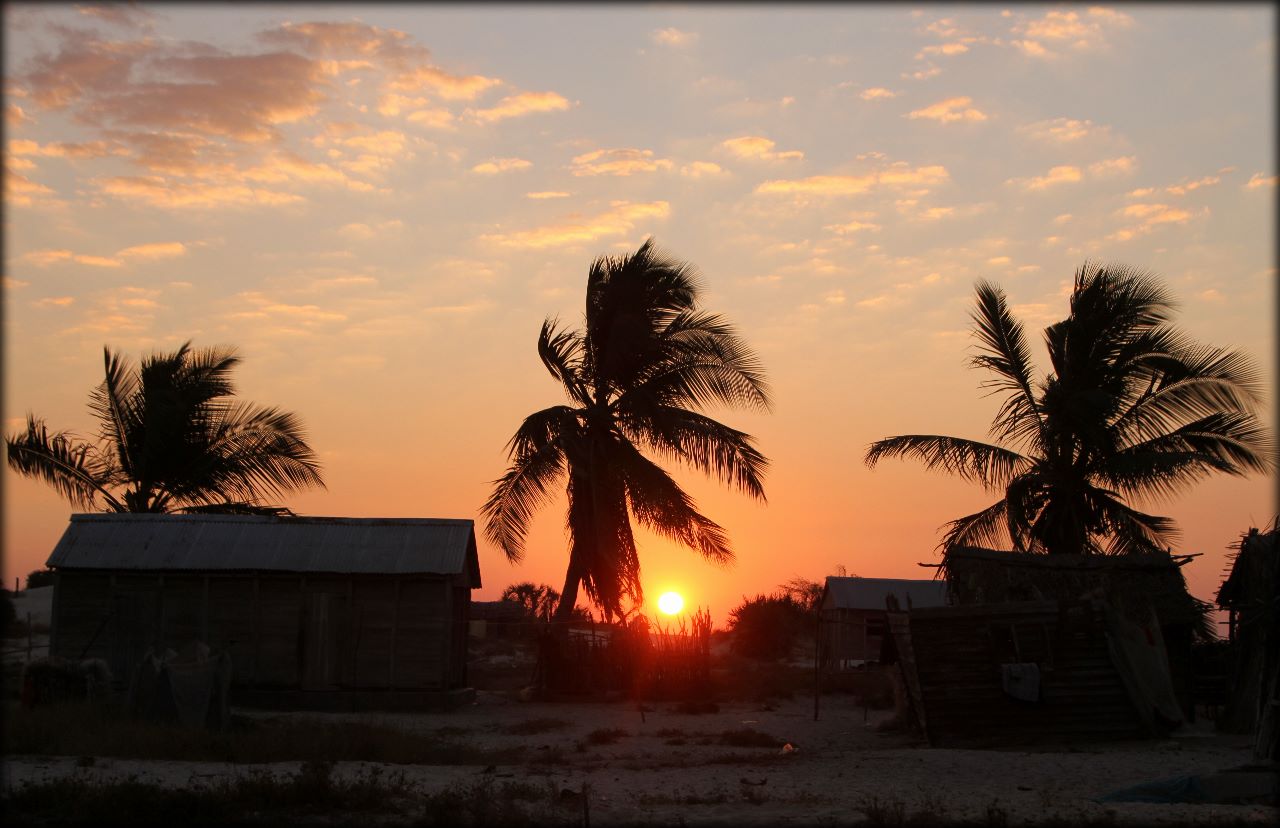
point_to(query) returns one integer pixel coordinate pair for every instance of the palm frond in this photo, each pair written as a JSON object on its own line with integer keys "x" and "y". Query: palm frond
{"x": 1004, "y": 352}
{"x": 70, "y": 465}
{"x": 703, "y": 443}
{"x": 538, "y": 463}
{"x": 982, "y": 529}
{"x": 992, "y": 466}
{"x": 561, "y": 353}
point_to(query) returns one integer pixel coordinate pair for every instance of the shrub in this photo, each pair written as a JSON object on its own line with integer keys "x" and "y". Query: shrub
{"x": 40, "y": 578}
{"x": 766, "y": 627}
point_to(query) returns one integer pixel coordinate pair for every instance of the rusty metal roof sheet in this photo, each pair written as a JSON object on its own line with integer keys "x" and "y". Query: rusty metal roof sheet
{"x": 869, "y": 593}
{"x": 382, "y": 546}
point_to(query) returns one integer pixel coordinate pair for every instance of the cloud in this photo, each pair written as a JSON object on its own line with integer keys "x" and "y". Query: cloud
{"x": 501, "y": 165}
{"x": 1259, "y": 180}
{"x": 952, "y": 109}
{"x": 15, "y": 116}
{"x": 1064, "y": 130}
{"x": 620, "y": 162}
{"x": 674, "y": 37}
{"x": 923, "y": 74}
{"x": 44, "y": 258}
{"x": 844, "y": 185}
{"x": 546, "y": 194}
{"x": 524, "y": 103}
{"x": 20, "y": 191}
{"x": 1068, "y": 29}
{"x": 153, "y": 251}
{"x": 877, "y": 93}
{"x": 852, "y": 227}
{"x": 361, "y": 231}
{"x": 88, "y": 149}
{"x": 161, "y": 192}
{"x": 619, "y": 220}
{"x": 1189, "y": 186}
{"x": 945, "y": 49}
{"x": 756, "y": 147}
{"x": 701, "y": 169}
{"x": 1149, "y": 216}
{"x": 1064, "y": 174}
{"x": 119, "y": 14}
{"x": 448, "y": 86}
{"x": 54, "y": 302}
{"x": 1113, "y": 166}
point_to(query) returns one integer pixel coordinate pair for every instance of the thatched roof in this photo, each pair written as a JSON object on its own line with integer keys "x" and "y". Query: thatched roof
{"x": 1128, "y": 582}
{"x": 1255, "y": 571}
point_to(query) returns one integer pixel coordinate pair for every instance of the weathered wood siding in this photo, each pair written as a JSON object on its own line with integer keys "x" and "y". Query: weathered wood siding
{"x": 954, "y": 663}
{"x": 313, "y": 632}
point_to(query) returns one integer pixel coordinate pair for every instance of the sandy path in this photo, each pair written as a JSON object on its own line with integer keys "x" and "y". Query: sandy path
{"x": 672, "y": 767}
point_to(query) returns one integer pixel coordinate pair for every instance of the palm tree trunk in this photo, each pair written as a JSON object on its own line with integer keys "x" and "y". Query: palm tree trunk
{"x": 569, "y": 594}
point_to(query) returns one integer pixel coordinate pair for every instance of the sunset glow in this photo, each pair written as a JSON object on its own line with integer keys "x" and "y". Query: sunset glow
{"x": 671, "y": 603}
{"x": 378, "y": 205}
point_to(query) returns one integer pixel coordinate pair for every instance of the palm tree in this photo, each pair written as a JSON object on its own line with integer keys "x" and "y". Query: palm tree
{"x": 1133, "y": 409}
{"x": 171, "y": 439}
{"x": 647, "y": 359}
{"x": 537, "y": 600}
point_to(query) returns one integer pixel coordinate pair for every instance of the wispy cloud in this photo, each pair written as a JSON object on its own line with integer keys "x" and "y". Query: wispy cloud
{"x": 1113, "y": 166}
{"x": 620, "y": 219}
{"x": 1148, "y": 217}
{"x": 756, "y": 147}
{"x": 702, "y": 169}
{"x": 1259, "y": 180}
{"x": 523, "y": 103}
{"x": 846, "y": 185}
{"x": 546, "y": 194}
{"x": 1062, "y": 174}
{"x": 1064, "y": 130}
{"x": 45, "y": 258}
{"x": 501, "y": 165}
{"x": 621, "y": 162}
{"x": 153, "y": 251}
{"x": 950, "y": 110}
{"x": 1058, "y": 30}
{"x": 877, "y": 93}
{"x": 672, "y": 36}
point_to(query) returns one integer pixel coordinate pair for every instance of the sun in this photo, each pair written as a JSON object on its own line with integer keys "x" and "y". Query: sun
{"x": 670, "y": 603}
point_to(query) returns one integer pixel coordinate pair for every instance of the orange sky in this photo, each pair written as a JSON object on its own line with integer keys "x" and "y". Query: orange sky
{"x": 379, "y": 206}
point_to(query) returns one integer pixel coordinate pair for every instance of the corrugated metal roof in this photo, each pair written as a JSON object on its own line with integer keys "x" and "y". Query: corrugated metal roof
{"x": 869, "y": 593}
{"x": 400, "y": 546}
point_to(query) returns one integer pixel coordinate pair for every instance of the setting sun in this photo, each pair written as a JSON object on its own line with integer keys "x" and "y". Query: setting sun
{"x": 670, "y": 603}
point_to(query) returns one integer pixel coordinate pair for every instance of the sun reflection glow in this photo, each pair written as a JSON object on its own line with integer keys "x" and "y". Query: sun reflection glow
{"x": 670, "y": 603}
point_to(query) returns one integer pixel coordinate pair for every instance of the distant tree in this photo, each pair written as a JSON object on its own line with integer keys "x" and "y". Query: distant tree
{"x": 767, "y": 627}
{"x": 40, "y": 578}
{"x": 1132, "y": 409}
{"x": 636, "y": 376}
{"x": 538, "y": 600}
{"x": 171, "y": 439}
{"x": 803, "y": 592}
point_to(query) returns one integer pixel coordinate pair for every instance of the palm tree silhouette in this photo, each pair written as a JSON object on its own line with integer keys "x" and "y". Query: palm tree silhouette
{"x": 170, "y": 439}
{"x": 635, "y": 375}
{"x": 1132, "y": 409}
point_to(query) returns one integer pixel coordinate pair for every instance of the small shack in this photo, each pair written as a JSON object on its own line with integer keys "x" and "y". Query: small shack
{"x": 315, "y": 612}
{"x": 1049, "y": 648}
{"x": 1251, "y": 597}
{"x": 853, "y": 619}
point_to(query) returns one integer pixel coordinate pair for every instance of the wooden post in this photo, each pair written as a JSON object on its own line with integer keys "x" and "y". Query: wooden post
{"x": 395, "y": 633}
{"x": 817, "y": 668}
{"x": 257, "y": 630}
{"x": 28, "y": 638}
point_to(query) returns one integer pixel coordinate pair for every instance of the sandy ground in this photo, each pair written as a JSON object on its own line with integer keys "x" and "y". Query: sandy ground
{"x": 671, "y": 769}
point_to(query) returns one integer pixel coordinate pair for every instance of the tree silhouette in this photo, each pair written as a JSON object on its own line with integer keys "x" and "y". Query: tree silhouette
{"x": 1132, "y": 409}
{"x": 538, "y": 600}
{"x": 636, "y": 376}
{"x": 171, "y": 439}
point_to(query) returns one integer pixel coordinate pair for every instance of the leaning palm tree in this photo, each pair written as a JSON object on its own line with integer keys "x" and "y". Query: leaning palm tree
{"x": 636, "y": 376}
{"x": 171, "y": 439}
{"x": 1133, "y": 409}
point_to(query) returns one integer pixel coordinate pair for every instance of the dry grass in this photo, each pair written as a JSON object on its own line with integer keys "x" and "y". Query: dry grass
{"x": 83, "y": 729}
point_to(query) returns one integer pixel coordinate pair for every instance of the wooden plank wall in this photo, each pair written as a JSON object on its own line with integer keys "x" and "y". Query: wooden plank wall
{"x": 282, "y": 631}
{"x": 957, "y": 656}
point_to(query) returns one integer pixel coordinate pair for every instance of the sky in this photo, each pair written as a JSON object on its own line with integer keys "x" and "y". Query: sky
{"x": 379, "y": 205}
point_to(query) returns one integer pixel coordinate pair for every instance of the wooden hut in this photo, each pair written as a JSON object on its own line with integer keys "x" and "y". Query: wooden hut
{"x": 1251, "y": 597}
{"x": 1042, "y": 648}
{"x": 1133, "y": 585}
{"x": 852, "y": 611}
{"x": 330, "y": 613}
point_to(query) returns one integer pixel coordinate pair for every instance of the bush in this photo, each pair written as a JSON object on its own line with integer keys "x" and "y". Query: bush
{"x": 766, "y": 627}
{"x": 40, "y": 578}
{"x": 7, "y": 613}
